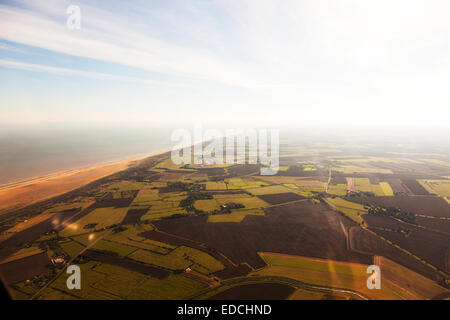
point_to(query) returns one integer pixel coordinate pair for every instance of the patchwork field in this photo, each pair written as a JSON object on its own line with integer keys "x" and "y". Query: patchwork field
{"x": 105, "y": 281}
{"x": 328, "y": 273}
{"x": 95, "y": 220}
{"x": 352, "y": 210}
{"x": 282, "y": 230}
{"x": 439, "y": 187}
{"x": 157, "y": 230}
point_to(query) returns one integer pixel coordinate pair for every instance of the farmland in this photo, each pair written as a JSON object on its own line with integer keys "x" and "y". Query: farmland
{"x": 158, "y": 230}
{"x": 350, "y": 209}
{"x": 323, "y": 272}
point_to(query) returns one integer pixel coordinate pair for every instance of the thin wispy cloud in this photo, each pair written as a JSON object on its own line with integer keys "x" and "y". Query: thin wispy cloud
{"x": 295, "y": 60}
{"x": 106, "y": 37}
{"x": 78, "y": 73}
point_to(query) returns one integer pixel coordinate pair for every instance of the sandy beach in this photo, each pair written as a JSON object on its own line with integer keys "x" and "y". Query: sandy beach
{"x": 18, "y": 194}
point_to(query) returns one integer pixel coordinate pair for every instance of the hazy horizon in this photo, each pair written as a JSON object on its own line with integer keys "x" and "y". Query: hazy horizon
{"x": 134, "y": 72}
{"x": 31, "y": 151}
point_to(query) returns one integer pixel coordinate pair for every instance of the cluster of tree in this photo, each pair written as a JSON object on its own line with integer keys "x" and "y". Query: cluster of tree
{"x": 90, "y": 225}
{"x": 396, "y": 213}
{"x": 173, "y": 216}
{"x": 119, "y": 228}
{"x": 185, "y": 186}
{"x": 360, "y": 194}
{"x": 227, "y": 207}
{"x": 405, "y": 232}
{"x": 217, "y": 178}
{"x": 188, "y": 203}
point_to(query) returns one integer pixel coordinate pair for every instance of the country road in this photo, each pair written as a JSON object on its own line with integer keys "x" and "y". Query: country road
{"x": 329, "y": 180}
{"x": 284, "y": 280}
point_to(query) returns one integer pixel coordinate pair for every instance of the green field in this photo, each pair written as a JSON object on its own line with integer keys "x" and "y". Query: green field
{"x": 131, "y": 238}
{"x": 328, "y": 273}
{"x": 22, "y": 253}
{"x": 242, "y": 183}
{"x": 386, "y": 188}
{"x": 103, "y": 217}
{"x": 180, "y": 259}
{"x": 119, "y": 248}
{"x": 207, "y": 205}
{"x": 104, "y": 281}
{"x": 337, "y": 189}
{"x": 350, "y": 209}
{"x": 381, "y": 189}
{"x": 235, "y": 216}
{"x": 220, "y": 185}
{"x": 269, "y": 190}
{"x": 72, "y": 248}
{"x": 439, "y": 187}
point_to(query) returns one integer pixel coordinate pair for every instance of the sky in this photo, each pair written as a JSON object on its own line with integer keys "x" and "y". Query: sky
{"x": 298, "y": 62}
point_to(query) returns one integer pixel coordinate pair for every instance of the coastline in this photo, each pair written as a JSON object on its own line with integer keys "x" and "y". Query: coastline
{"x": 15, "y": 195}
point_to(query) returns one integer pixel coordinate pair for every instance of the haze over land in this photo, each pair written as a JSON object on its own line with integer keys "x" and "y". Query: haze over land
{"x": 71, "y": 98}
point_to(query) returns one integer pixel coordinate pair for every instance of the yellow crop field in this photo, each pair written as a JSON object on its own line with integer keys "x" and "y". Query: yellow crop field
{"x": 439, "y": 187}
{"x": 131, "y": 237}
{"x": 102, "y": 217}
{"x": 167, "y": 205}
{"x": 235, "y": 216}
{"x": 248, "y": 201}
{"x": 363, "y": 184}
{"x": 337, "y": 189}
{"x": 280, "y": 179}
{"x": 350, "y": 209}
{"x": 162, "y": 214}
{"x": 121, "y": 249}
{"x": 387, "y": 190}
{"x": 145, "y": 195}
{"x": 207, "y": 205}
{"x": 417, "y": 286}
{"x": 220, "y": 185}
{"x": 106, "y": 282}
{"x": 230, "y": 196}
{"x": 309, "y": 183}
{"x": 355, "y": 169}
{"x": 330, "y": 273}
{"x": 180, "y": 259}
{"x": 22, "y": 253}
{"x": 269, "y": 190}
{"x": 29, "y": 223}
{"x": 241, "y": 183}
{"x": 72, "y": 248}
{"x": 381, "y": 189}
{"x": 88, "y": 238}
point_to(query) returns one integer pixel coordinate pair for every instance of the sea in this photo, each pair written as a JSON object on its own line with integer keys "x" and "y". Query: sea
{"x": 30, "y": 151}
